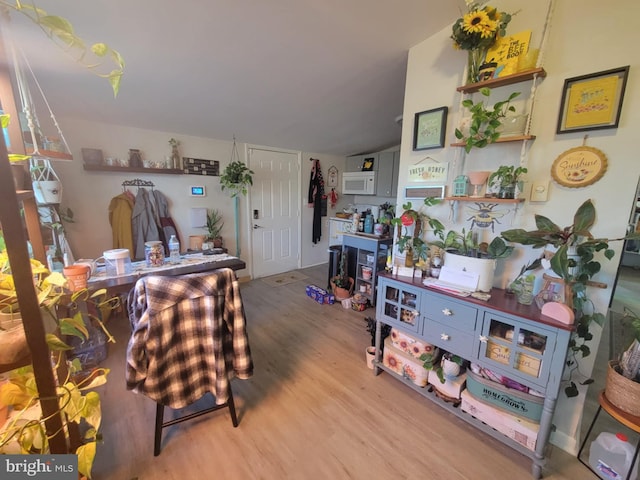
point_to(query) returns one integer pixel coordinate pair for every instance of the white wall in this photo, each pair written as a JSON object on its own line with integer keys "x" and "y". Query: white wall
{"x": 586, "y": 36}
{"x": 88, "y": 193}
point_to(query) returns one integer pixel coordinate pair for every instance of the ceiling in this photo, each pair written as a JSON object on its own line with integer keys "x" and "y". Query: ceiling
{"x": 322, "y": 76}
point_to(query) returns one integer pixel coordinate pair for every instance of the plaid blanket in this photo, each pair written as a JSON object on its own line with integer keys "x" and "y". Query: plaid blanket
{"x": 188, "y": 337}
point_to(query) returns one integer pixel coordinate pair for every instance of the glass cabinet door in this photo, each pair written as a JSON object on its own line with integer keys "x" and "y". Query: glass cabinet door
{"x": 397, "y": 305}
{"x": 521, "y": 350}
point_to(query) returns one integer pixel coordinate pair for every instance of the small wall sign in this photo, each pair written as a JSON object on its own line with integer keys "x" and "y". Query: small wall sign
{"x": 579, "y": 167}
{"x": 429, "y": 172}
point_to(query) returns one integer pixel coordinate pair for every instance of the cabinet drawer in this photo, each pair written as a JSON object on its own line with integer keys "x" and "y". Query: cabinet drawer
{"x": 449, "y": 338}
{"x": 449, "y": 312}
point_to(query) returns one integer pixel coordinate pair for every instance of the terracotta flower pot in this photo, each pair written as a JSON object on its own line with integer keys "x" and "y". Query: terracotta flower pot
{"x": 340, "y": 292}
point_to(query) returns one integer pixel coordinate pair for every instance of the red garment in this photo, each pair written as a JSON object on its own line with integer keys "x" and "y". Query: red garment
{"x": 333, "y": 198}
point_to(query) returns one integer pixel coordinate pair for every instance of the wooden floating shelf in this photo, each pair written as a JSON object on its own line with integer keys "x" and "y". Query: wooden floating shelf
{"x": 51, "y": 154}
{"x": 514, "y": 138}
{"x": 485, "y": 199}
{"x": 502, "y": 81}
{"x": 24, "y": 194}
{"x": 107, "y": 168}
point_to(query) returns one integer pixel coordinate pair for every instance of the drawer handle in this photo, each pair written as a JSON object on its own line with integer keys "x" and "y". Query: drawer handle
{"x": 447, "y": 312}
{"x": 484, "y": 338}
{"x": 444, "y": 336}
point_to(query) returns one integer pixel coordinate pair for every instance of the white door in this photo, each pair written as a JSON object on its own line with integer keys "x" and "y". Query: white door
{"x": 274, "y": 211}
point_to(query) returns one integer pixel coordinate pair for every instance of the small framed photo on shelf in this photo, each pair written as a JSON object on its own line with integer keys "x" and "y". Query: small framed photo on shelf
{"x": 429, "y": 128}
{"x": 592, "y": 102}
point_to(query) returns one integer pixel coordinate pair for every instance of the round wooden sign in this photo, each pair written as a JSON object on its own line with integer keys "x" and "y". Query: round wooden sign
{"x": 579, "y": 167}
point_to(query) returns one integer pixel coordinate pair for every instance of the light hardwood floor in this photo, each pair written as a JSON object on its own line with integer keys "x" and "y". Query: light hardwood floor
{"x": 312, "y": 410}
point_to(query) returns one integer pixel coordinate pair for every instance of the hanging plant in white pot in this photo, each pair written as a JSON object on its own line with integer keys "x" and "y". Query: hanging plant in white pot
{"x": 47, "y": 187}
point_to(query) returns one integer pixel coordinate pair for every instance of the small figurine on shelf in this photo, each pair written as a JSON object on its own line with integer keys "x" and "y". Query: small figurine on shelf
{"x": 135, "y": 158}
{"x": 175, "y": 155}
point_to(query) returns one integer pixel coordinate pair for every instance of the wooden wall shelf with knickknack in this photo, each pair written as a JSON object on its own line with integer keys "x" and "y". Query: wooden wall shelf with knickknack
{"x": 484, "y": 199}
{"x": 50, "y": 153}
{"x": 513, "y": 138}
{"x": 502, "y": 81}
{"x": 108, "y": 168}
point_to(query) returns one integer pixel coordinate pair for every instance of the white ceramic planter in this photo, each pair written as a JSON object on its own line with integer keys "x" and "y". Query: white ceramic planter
{"x": 484, "y": 267}
{"x": 47, "y": 191}
{"x": 450, "y": 369}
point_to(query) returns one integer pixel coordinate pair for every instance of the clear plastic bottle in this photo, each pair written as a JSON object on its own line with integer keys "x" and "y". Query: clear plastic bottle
{"x": 174, "y": 249}
{"x": 610, "y": 456}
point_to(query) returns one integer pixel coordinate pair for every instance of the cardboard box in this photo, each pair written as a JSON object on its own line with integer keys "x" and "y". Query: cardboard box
{"x": 411, "y": 345}
{"x": 320, "y": 295}
{"x": 508, "y": 399}
{"x": 404, "y": 364}
{"x": 522, "y": 431}
{"x": 452, "y": 388}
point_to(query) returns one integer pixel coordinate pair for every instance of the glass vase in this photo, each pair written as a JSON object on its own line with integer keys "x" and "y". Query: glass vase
{"x": 474, "y": 60}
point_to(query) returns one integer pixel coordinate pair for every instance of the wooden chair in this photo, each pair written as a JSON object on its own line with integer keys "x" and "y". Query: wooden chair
{"x": 160, "y": 423}
{"x": 188, "y": 340}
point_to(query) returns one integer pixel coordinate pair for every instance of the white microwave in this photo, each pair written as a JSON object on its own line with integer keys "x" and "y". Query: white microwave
{"x": 359, "y": 183}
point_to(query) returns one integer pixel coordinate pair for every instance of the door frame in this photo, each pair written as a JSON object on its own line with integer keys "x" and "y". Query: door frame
{"x": 249, "y": 217}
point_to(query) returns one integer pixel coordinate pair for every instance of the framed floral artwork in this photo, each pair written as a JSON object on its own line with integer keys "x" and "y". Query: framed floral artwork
{"x": 429, "y": 128}
{"x": 592, "y": 102}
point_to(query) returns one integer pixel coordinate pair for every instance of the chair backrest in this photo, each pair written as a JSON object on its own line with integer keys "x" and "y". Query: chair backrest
{"x": 188, "y": 337}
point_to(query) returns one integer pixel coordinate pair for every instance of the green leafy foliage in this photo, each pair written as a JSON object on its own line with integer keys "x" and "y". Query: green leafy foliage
{"x": 412, "y": 242}
{"x": 484, "y": 120}
{"x": 61, "y": 32}
{"x": 236, "y": 178}
{"x": 576, "y": 263}
{"x": 506, "y": 175}
{"x": 214, "y": 224}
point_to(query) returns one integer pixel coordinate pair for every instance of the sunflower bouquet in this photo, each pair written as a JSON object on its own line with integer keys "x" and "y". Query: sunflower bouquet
{"x": 479, "y": 27}
{"x": 477, "y": 31}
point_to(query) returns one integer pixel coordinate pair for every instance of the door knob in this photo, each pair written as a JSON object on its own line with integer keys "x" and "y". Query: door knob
{"x": 256, "y": 226}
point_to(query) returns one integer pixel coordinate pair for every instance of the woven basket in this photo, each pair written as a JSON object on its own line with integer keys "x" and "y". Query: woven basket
{"x": 622, "y": 392}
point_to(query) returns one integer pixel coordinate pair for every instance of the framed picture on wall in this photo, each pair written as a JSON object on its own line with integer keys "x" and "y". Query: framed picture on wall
{"x": 592, "y": 102}
{"x": 429, "y": 128}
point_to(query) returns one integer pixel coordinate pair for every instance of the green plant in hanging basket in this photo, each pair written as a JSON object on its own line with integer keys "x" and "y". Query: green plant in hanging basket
{"x": 236, "y": 178}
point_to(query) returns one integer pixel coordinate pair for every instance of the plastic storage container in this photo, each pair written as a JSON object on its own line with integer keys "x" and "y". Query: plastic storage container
{"x": 117, "y": 262}
{"x": 610, "y": 456}
{"x": 174, "y": 249}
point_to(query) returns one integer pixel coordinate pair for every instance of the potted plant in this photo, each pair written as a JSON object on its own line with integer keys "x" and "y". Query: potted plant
{"x": 451, "y": 365}
{"x": 507, "y": 178}
{"x": 342, "y": 284}
{"x": 214, "y": 227}
{"x": 576, "y": 262}
{"x": 77, "y": 400}
{"x": 484, "y": 121}
{"x": 175, "y": 154}
{"x": 236, "y": 177}
{"x": 47, "y": 187}
{"x": 370, "y": 351}
{"x": 409, "y": 231}
{"x": 463, "y": 252}
{"x": 623, "y": 374}
{"x": 385, "y": 217}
